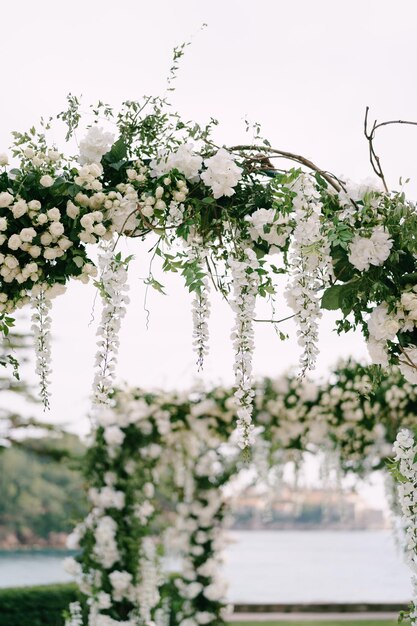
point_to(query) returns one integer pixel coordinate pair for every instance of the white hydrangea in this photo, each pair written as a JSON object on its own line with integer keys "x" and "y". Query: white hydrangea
{"x": 183, "y": 159}
{"x": 95, "y": 145}
{"x": 378, "y": 352}
{"x": 265, "y": 224}
{"x": 222, "y": 174}
{"x": 408, "y": 364}
{"x": 358, "y": 191}
{"x": 382, "y": 325}
{"x": 373, "y": 250}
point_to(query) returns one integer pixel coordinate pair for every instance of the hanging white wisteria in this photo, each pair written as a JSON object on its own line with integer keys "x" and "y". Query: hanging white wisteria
{"x": 113, "y": 287}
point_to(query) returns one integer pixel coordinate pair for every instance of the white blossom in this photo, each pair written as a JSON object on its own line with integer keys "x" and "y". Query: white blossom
{"x": 382, "y": 325}
{"x": 222, "y": 173}
{"x": 41, "y": 325}
{"x": 113, "y": 290}
{"x": 94, "y": 145}
{"x": 310, "y": 268}
{"x": 245, "y": 288}
{"x": 183, "y": 159}
{"x": 373, "y": 250}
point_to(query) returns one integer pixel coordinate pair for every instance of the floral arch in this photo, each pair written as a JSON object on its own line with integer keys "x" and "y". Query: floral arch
{"x": 229, "y": 218}
{"x": 186, "y": 445}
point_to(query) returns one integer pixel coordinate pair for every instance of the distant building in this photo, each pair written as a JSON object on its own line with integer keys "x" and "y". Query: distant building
{"x": 316, "y": 508}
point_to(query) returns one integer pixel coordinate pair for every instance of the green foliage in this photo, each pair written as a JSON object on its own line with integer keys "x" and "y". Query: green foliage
{"x": 39, "y": 495}
{"x": 36, "y": 606}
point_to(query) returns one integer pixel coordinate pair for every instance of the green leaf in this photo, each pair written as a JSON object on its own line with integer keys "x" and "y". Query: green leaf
{"x": 118, "y": 152}
{"x": 331, "y": 300}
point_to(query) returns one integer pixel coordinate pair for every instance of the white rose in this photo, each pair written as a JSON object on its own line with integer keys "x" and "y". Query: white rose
{"x": 53, "y": 155}
{"x": 3, "y": 223}
{"x": 46, "y": 181}
{"x": 27, "y": 234}
{"x": 95, "y": 169}
{"x": 82, "y": 199}
{"x": 99, "y": 229}
{"x": 42, "y": 218}
{"x": 46, "y": 239}
{"x": 50, "y": 254}
{"x": 5, "y": 199}
{"x": 4, "y": 159}
{"x": 14, "y": 242}
{"x": 29, "y": 153}
{"x": 54, "y": 214}
{"x": 31, "y": 268}
{"x": 34, "y": 251}
{"x": 34, "y": 205}
{"x": 147, "y": 210}
{"x": 72, "y": 210}
{"x": 11, "y": 262}
{"x": 64, "y": 243}
{"x": 56, "y": 229}
{"x": 87, "y": 221}
{"x": 19, "y": 209}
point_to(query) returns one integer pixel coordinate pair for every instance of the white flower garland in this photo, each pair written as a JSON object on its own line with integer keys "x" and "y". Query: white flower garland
{"x": 310, "y": 268}
{"x": 200, "y": 307}
{"x": 41, "y": 326}
{"x": 405, "y": 449}
{"x": 147, "y": 592}
{"x": 245, "y": 289}
{"x": 113, "y": 290}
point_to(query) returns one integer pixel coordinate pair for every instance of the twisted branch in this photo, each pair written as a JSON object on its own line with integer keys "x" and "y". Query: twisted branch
{"x": 292, "y": 157}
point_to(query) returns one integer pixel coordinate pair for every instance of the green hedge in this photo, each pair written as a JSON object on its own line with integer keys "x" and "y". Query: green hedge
{"x": 35, "y": 606}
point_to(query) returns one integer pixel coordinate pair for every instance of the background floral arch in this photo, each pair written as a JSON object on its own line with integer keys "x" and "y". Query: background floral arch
{"x": 154, "y": 449}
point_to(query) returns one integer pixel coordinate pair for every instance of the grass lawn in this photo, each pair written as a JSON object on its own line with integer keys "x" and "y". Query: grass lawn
{"x": 344, "y": 623}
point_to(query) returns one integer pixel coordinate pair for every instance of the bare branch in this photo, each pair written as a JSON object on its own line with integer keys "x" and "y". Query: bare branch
{"x": 292, "y": 157}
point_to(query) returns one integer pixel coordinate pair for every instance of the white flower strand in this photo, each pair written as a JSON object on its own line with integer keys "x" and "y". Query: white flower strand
{"x": 75, "y": 615}
{"x": 113, "y": 292}
{"x": 201, "y": 312}
{"x": 405, "y": 450}
{"x": 41, "y": 326}
{"x": 310, "y": 267}
{"x": 245, "y": 289}
{"x": 147, "y": 591}
{"x": 200, "y": 308}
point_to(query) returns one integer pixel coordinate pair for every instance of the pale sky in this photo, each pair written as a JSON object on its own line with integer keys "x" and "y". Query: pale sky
{"x": 304, "y": 70}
